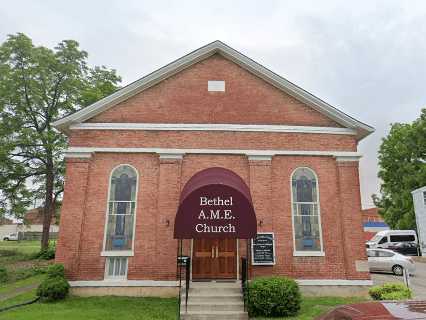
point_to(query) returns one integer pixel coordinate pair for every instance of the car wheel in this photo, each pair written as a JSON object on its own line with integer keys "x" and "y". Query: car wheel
{"x": 397, "y": 270}
{"x": 6, "y": 239}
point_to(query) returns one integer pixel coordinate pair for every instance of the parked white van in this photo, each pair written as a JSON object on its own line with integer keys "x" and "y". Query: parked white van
{"x": 386, "y": 238}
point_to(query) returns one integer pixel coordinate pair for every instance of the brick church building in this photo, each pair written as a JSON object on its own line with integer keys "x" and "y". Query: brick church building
{"x": 212, "y": 148}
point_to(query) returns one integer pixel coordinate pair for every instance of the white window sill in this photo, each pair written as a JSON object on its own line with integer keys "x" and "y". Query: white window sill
{"x": 308, "y": 254}
{"x": 124, "y": 253}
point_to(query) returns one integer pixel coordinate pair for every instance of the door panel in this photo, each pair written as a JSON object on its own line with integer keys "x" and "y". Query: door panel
{"x": 203, "y": 266}
{"x": 226, "y": 256}
{"x": 214, "y": 259}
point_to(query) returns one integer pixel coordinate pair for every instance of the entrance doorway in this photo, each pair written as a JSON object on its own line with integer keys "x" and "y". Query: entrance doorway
{"x": 214, "y": 259}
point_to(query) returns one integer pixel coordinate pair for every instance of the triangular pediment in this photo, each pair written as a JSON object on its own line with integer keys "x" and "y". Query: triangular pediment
{"x": 204, "y": 53}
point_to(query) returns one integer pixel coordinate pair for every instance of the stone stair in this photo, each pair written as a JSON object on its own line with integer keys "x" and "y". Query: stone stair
{"x": 214, "y": 300}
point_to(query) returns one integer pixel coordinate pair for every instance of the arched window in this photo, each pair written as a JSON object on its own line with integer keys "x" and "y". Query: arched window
{"x": 121, "y": 209}
{"x": 306, "y": 212}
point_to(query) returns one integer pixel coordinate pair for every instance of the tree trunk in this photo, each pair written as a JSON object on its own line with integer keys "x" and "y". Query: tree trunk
{"x": 48, "y": 205}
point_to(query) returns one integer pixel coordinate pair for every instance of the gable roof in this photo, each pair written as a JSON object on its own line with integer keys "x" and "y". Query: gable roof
{"x": 198, "y": 55}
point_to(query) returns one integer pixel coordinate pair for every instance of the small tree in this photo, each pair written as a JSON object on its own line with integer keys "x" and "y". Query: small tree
{"x": 37, "y": 86}
{"x": 402, "y": 162}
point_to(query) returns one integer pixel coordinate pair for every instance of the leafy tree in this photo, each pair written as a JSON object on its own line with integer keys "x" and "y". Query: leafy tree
{"x": 402, "y": 161}
{"x": 37, "y": 86}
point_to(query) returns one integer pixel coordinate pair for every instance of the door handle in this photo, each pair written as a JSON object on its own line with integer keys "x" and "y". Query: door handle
{"x": 212, "y": 252}
{"x": 217, "y": 251}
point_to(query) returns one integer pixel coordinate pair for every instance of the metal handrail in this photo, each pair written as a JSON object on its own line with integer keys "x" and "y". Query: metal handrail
{"x": 187, "y": 281}
{"x": 244, "y": 278}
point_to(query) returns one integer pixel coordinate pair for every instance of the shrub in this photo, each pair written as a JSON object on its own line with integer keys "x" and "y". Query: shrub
{"x": 390, "y": 291}
{"x": 55, "y": 270}
{"x": 47, "y": 254}
{"x": 273, "y": 297}
{"x": 53, "y": 289}
{"x": 4, "y": 276}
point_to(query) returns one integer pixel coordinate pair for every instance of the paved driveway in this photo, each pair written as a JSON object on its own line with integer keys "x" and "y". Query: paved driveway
{"x": 417, "y": 282}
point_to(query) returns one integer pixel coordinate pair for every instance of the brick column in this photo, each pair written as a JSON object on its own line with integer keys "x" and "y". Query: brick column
{"x": 261, "y": 191}
{"x": 169, "y": 187}
{"x": 72, "y": 215}
{"x": 350, "y": 210}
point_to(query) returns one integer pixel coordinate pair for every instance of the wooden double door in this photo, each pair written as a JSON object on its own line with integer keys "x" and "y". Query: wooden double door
{"x": 214, "y": 259}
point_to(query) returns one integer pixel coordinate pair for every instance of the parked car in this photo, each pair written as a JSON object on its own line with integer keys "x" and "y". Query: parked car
{"x": 11, "y": 236}
{"x": 384, "y": 239}
{"x": 405, "y": 248}
{"x": 385, "y": 260}
{"x": 407, "y": 310}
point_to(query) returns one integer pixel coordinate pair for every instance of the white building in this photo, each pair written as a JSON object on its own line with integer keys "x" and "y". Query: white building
{"x": 419, "y": 199}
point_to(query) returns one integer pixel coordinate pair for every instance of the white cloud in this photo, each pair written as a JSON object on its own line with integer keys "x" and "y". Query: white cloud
{"x": 366, "y": 58}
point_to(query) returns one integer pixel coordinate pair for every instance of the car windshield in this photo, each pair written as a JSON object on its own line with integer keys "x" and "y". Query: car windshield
{"x": 376, "y": 238}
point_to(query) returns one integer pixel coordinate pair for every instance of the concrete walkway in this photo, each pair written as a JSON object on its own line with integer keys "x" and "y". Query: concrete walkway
{"x": 17, "y": 291}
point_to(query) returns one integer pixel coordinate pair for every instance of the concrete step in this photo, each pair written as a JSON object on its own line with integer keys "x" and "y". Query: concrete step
{"x": 213, "y": 291}
{"x": 207, "y": 284}
{"x": 210, "y": 298}
{"x": 214, "y": 315}
{"x": 218, "y": 306}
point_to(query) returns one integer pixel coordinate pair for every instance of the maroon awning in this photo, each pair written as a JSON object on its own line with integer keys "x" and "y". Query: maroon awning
{"x": 215, "y": 203}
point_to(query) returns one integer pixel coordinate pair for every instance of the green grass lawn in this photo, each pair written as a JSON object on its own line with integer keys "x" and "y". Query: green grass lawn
{"x": 126, "y": 308}
{"x": 313, "y": 307}
{"x": 13, "y": 251}
{"x": 93, "y": 308}
{"x": 10, "y": 287}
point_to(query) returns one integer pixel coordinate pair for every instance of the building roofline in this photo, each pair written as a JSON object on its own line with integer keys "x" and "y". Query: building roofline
{"x": 198, "y": 55}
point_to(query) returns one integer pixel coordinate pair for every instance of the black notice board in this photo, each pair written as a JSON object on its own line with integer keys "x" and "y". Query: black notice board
{"x": 263, "y": 249}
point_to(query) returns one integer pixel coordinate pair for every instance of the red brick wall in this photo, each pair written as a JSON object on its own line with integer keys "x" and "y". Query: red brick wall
{"x": 212, "y": 140}
{"x": 160, "y": 182}
{"x": 184, "y": 99}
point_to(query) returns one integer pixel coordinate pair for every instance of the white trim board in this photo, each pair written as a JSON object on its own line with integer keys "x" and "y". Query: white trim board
{"x": 159, "y": 283}
{"x": 216, "y": 47}
{"x": 124, "y": 283}
{"x": 211, "y": 127}
{"x": 76, "y": 151}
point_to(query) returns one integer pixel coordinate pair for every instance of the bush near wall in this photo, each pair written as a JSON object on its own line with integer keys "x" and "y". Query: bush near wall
{"x": 55, "y": 286}
{"x": 273, "y": 297}
{"x": 390, "y": 291}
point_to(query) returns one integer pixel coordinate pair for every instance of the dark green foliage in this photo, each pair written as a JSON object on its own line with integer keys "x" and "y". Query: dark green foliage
{"x": 274, "y": 297}
{"x": 37, "y": 86}
{"x": 55, "y": 286}
{"x": 4, "y": 276}
{"x": 53, "y": 289}
{"x": 402, "y": 162}
{"x": 56, "y": 270}
{"x": 390, "y": 291}
{"x": 48, "y": 253}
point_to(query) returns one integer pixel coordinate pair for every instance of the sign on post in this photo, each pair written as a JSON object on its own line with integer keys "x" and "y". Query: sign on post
{"x": 263, "y": 249}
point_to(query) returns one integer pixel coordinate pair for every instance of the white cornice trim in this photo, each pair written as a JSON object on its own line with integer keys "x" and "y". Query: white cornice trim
{"x": 211, "y": 127}
{"x": 179, "y": 152}
{"x": 347, "y": 159}
{"x": 259, "y": 158}
{"x": 123, "y": 283}
{"x": 198, "y": 55}
{"x": 333, "y": 282}
{"x": 177, "y": 156}
{"x": 77, "y": 154}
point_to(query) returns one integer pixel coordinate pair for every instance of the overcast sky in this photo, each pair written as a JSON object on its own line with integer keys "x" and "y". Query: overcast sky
{"x": 367, "y": 58}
